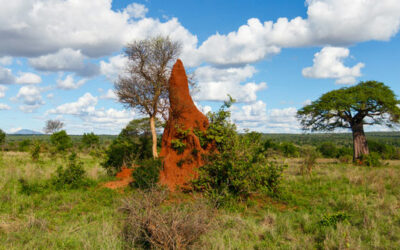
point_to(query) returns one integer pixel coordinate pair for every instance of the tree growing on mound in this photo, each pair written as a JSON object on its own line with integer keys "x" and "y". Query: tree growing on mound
{"x": 367, "y": 103}
{"x": 145, "y": 84}
{"x": 132, "y": 144}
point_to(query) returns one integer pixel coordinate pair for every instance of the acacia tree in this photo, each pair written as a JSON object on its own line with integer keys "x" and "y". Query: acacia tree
{"x": 144, "y": 86}
{"x": 367, "y": 103}
{"x": 53, "y": 126}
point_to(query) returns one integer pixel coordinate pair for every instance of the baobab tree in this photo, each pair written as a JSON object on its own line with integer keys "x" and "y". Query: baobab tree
{"x": 144, "y": 85}
{"x": 367, "y": 103}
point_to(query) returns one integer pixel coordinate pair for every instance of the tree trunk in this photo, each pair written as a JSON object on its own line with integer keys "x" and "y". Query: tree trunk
{"x": 154, "y": 137}
{"x": 360, "y": 146}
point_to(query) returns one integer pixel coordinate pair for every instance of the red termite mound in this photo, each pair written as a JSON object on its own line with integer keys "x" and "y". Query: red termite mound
{"x": 180, "y": 148}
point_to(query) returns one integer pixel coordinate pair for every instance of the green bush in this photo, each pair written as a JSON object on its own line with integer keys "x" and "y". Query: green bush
{"x": 23, "y": 146}
{"x": 333, "y": 219}
{"x": 132, "y": 144}
{"x": 35, "y": 151}
{"x": 289, "y": 149}
{"x": 345, "y": 152}
{"x": 2, "y": 137}
{"x": 71, "y": 177}
{"x": 386, "y": 151}
{"x": 90, "y": 140}
{"x": 61, "y": 141}
{"x": 147, "y": 174}
{"x": 239, "y": 167}
{"x": 328, "y": 150}
{"x": 310, "y": 156}
{"x": 371, "y": 160}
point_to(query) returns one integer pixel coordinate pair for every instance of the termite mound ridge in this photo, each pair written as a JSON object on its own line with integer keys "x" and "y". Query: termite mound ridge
{"x": 181, "y": 150}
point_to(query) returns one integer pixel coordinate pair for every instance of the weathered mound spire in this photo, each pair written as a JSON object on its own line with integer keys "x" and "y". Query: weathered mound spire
{"x": 180, "y": 148}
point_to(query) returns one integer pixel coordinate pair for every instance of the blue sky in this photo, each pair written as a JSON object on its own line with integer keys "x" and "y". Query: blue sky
{"x": 59, "y": 58}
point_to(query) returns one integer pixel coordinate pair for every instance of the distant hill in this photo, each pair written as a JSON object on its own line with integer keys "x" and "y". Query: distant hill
{"x": 27, "y": 132}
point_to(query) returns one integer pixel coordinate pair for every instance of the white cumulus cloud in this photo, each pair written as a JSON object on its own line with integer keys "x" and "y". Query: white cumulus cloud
{"x": 110, "y": 94}
{"x": 3, "y": 90}
{"x": 31, "y": 98}
{"x": 85, "y": 109}
{"x": 28, "y": 78}
{"x": 136, "y": 10}
{"x": 4, "y": 106}
{"x": 69, "y": 83}
{"x": 328, "y": 63}
{"x": 216, "y": 83}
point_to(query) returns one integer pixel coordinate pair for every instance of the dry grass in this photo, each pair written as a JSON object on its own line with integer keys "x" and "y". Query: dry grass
{"x": 149, "y": 224}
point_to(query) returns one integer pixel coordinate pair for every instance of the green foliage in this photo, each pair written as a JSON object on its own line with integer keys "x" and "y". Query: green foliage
{"x": 24, "y": 145}
{"x": 345, "y": 107}
{"x": 333, "y": 219}
{"x": 221, "y": 131}
{"x": 35, "y": 150}
{"x": 61, "y": 141}
{"x": 90, "y": 140}
{"x": 385, "y": 150}
{"x": 178, "y": 145}
{"x": 371, "y": 160}
{"x": 147, "y": 174}
{"x": 71, "y": 177}
{"x": 328, "y": 150}
{"x": 289, "y": 149}
{"x": 132, "y": 144}
{"x": 239, "y": 168}
{"x": 29, "y": 188}
{"x": 310, "y": 156}
{"x": 2, "y": 137}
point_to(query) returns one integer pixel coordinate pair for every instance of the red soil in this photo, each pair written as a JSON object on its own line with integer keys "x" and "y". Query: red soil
{"x": 125, "y": 178}
{"x": 179, "y": 168}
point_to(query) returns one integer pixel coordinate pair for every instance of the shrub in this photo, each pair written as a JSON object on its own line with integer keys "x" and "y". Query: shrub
{"x": 71, "y": 177}
{"x": 35, "y": 151}
{"x": 2, "y": 137}
{"x": 289, "y": 149}
{"x": 24, "y": 145}
{"x": 239, "y": 168}
{"x": 132, "y": 144}
{"x": 310, "y": 156}
{"x": 90, "y": 140}
{"x": 371, "y": 160}
{"x": 345, "y": 151}
{"x": 328, "y": 150}
{"x": 29, "y": 188}
{"x": 178, "y": 145}
{"x": 61, "y": 141}
{"x": 150, "y": 225}
{"x": 332, "y": 220}
{"x": 346, "y": 159}
{"x": 147, "y": 174}
{"x": 385, "y": 151}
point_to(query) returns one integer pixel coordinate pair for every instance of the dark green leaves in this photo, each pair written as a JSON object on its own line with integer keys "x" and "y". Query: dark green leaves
{"x": 367, "y": 103}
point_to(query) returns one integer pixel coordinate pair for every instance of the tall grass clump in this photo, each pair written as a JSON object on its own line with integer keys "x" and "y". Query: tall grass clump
{"x": 310, "y": 156}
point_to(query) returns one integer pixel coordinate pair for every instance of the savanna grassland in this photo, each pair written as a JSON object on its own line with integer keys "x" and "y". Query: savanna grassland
{"x": 333, "y": 206}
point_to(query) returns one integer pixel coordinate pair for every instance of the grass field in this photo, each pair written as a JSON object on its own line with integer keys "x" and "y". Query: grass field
{"x": 338, "y": 206}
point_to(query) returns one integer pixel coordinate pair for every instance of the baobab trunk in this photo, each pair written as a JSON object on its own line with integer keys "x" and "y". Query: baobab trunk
{"x": 360, "y": 146}
{"x": 154, "y": 136}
